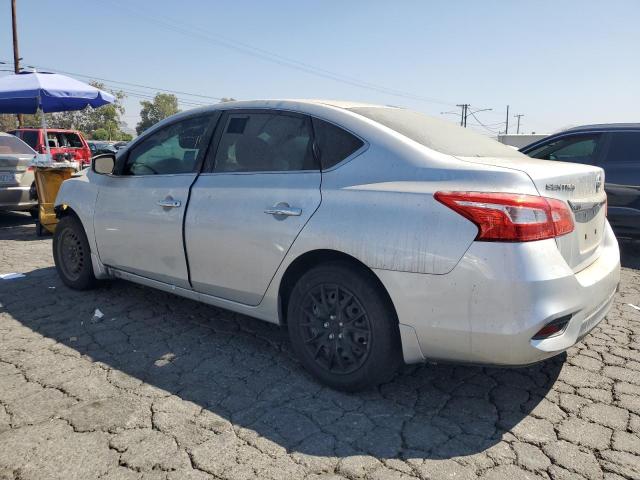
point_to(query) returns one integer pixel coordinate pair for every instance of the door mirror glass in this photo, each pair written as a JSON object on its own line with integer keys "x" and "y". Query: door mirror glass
{"x": 103, "y": 164}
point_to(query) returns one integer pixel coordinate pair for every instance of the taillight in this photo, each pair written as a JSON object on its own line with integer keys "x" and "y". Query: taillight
{"x": 510, "y": 217}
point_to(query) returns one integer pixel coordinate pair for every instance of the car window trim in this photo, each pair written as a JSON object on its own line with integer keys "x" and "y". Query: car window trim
{"x": 122, "y": 161}
{"x": 210, "y": 160}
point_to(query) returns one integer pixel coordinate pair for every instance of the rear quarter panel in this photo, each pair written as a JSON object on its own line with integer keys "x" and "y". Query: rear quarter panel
{"x": 379, "y": 208}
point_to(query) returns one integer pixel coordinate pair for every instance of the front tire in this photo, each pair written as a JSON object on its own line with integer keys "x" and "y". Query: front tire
{"x": 72, "y": 254}
{"x": 343, "y": 328}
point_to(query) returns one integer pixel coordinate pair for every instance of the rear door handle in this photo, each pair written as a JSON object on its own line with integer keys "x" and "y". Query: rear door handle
{"x": 169, "y": 202}
{"x": 283, "y": 209}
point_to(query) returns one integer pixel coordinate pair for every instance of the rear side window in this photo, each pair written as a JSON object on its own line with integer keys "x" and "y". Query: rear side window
{"x": 265, "y": 142}
{"x": 10, "y": 145}
{"x": 334, "y": 143}
{"x": 30, "y": 137}
{"x": 575, "y": 149}
{"x": 624, "y": 148}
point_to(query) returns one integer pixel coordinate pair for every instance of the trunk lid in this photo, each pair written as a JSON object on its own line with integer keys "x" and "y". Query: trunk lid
{"x": 581, "y": 186}
{"x": 12, "y": 167}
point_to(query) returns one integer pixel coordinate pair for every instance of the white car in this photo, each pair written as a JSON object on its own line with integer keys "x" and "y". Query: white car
{"x": 375, "y": 234}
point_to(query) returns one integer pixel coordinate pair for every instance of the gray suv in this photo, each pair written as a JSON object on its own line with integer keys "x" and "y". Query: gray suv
{"x": 616, "y": 148}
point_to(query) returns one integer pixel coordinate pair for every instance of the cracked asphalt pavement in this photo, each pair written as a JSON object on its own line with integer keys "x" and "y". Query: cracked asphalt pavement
{"x": 165, "y": 388}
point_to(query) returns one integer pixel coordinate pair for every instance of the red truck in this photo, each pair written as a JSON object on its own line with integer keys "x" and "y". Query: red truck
{"x": 64, "y": 144}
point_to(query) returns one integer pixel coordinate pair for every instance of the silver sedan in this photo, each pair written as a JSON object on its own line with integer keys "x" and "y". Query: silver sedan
{"x": 377, "y": 235}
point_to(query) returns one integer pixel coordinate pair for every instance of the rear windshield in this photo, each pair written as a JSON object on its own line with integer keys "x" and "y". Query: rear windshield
{"x": 10, "y": 145}
{"x": 437, "y": 134}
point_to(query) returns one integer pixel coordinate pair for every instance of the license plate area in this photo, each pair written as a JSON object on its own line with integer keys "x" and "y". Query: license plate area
{"x": 589, "y": 224}
{"x": 8, "y": 178}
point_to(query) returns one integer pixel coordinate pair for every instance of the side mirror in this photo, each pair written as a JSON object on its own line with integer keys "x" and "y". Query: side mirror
{"x": 103, "y": 164}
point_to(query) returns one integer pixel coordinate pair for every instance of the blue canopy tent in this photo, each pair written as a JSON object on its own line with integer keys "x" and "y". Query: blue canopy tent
{"x": 28, "y": 92}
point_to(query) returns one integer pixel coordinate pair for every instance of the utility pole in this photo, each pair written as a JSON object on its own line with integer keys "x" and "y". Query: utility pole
{"x": 518, "y": 117}
{"x": 506, "y": 128}
{"x": 16, "y": 56}
{"x": 463, "y": 116}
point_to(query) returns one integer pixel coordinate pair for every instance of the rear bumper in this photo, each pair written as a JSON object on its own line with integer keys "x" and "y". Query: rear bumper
{"x": 487, "y": 309}
{"x": 16, "y": 198}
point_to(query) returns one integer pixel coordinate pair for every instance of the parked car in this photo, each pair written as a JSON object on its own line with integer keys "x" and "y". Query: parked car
{"x": 63, "y": 144}
{"x": 375, "y": 234}
{"x": 121, "y": 144}
{"x": 16, "y": 175}
{"x": 615, "y": 147}
{"x": 98, "y": 148}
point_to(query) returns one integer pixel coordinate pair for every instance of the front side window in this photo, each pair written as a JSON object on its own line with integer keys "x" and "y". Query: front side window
{"x": 624, "y": 147}
{"x": 171, "y": 150}
{"x": 265, "y": 142}
{"x": 334, "y": 143}
{"x": 576, "y": 149}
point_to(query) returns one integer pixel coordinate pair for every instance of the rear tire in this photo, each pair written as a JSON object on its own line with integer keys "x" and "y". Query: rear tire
{"x": 343, "y": 328}
{"x": 72, "y": 254}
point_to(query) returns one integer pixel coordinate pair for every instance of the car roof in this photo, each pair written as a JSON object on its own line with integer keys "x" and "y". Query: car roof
{"x": 306, "y": 106}
{"x": 604, "y": 126}
{"x": 55, "y": 130}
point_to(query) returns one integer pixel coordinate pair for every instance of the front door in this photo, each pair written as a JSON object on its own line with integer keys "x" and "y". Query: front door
{"x": 262, "y": 186}
{"x": 140, "y": 209}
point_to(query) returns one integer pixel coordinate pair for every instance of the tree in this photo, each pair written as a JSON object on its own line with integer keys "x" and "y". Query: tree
{"x": 100, "y": 134}
{"x": 7, "y": 122}
{"x": 163, "y": 105}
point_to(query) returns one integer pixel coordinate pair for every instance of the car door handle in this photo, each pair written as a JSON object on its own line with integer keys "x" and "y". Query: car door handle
{"x": 283, "y": 209}
{"x": 169, "y": 203}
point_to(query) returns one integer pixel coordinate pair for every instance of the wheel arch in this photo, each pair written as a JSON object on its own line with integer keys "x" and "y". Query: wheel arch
{"x": 304, "y": 262}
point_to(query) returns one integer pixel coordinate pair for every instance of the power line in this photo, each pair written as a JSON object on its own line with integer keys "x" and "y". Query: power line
{"x": 93, "y": 77}
{"x": 195, "y": 31}
{"x": 473, "y": 114}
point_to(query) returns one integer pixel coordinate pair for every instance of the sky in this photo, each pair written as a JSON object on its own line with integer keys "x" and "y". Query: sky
{"x": 559, "y": 63}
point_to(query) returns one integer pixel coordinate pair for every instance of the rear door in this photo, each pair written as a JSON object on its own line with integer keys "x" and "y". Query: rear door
{"x": 140, "y": 210}
{"x": 621, "y": 162}
{"x": 260, "y": 187}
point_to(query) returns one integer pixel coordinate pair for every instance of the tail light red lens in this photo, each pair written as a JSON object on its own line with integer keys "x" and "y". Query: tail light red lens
{"x": 511, "y": 217}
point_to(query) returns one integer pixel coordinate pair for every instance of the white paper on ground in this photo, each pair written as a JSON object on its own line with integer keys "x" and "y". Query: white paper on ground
{"x": 97, "y": 315}
{"x": 11, "y": 276}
